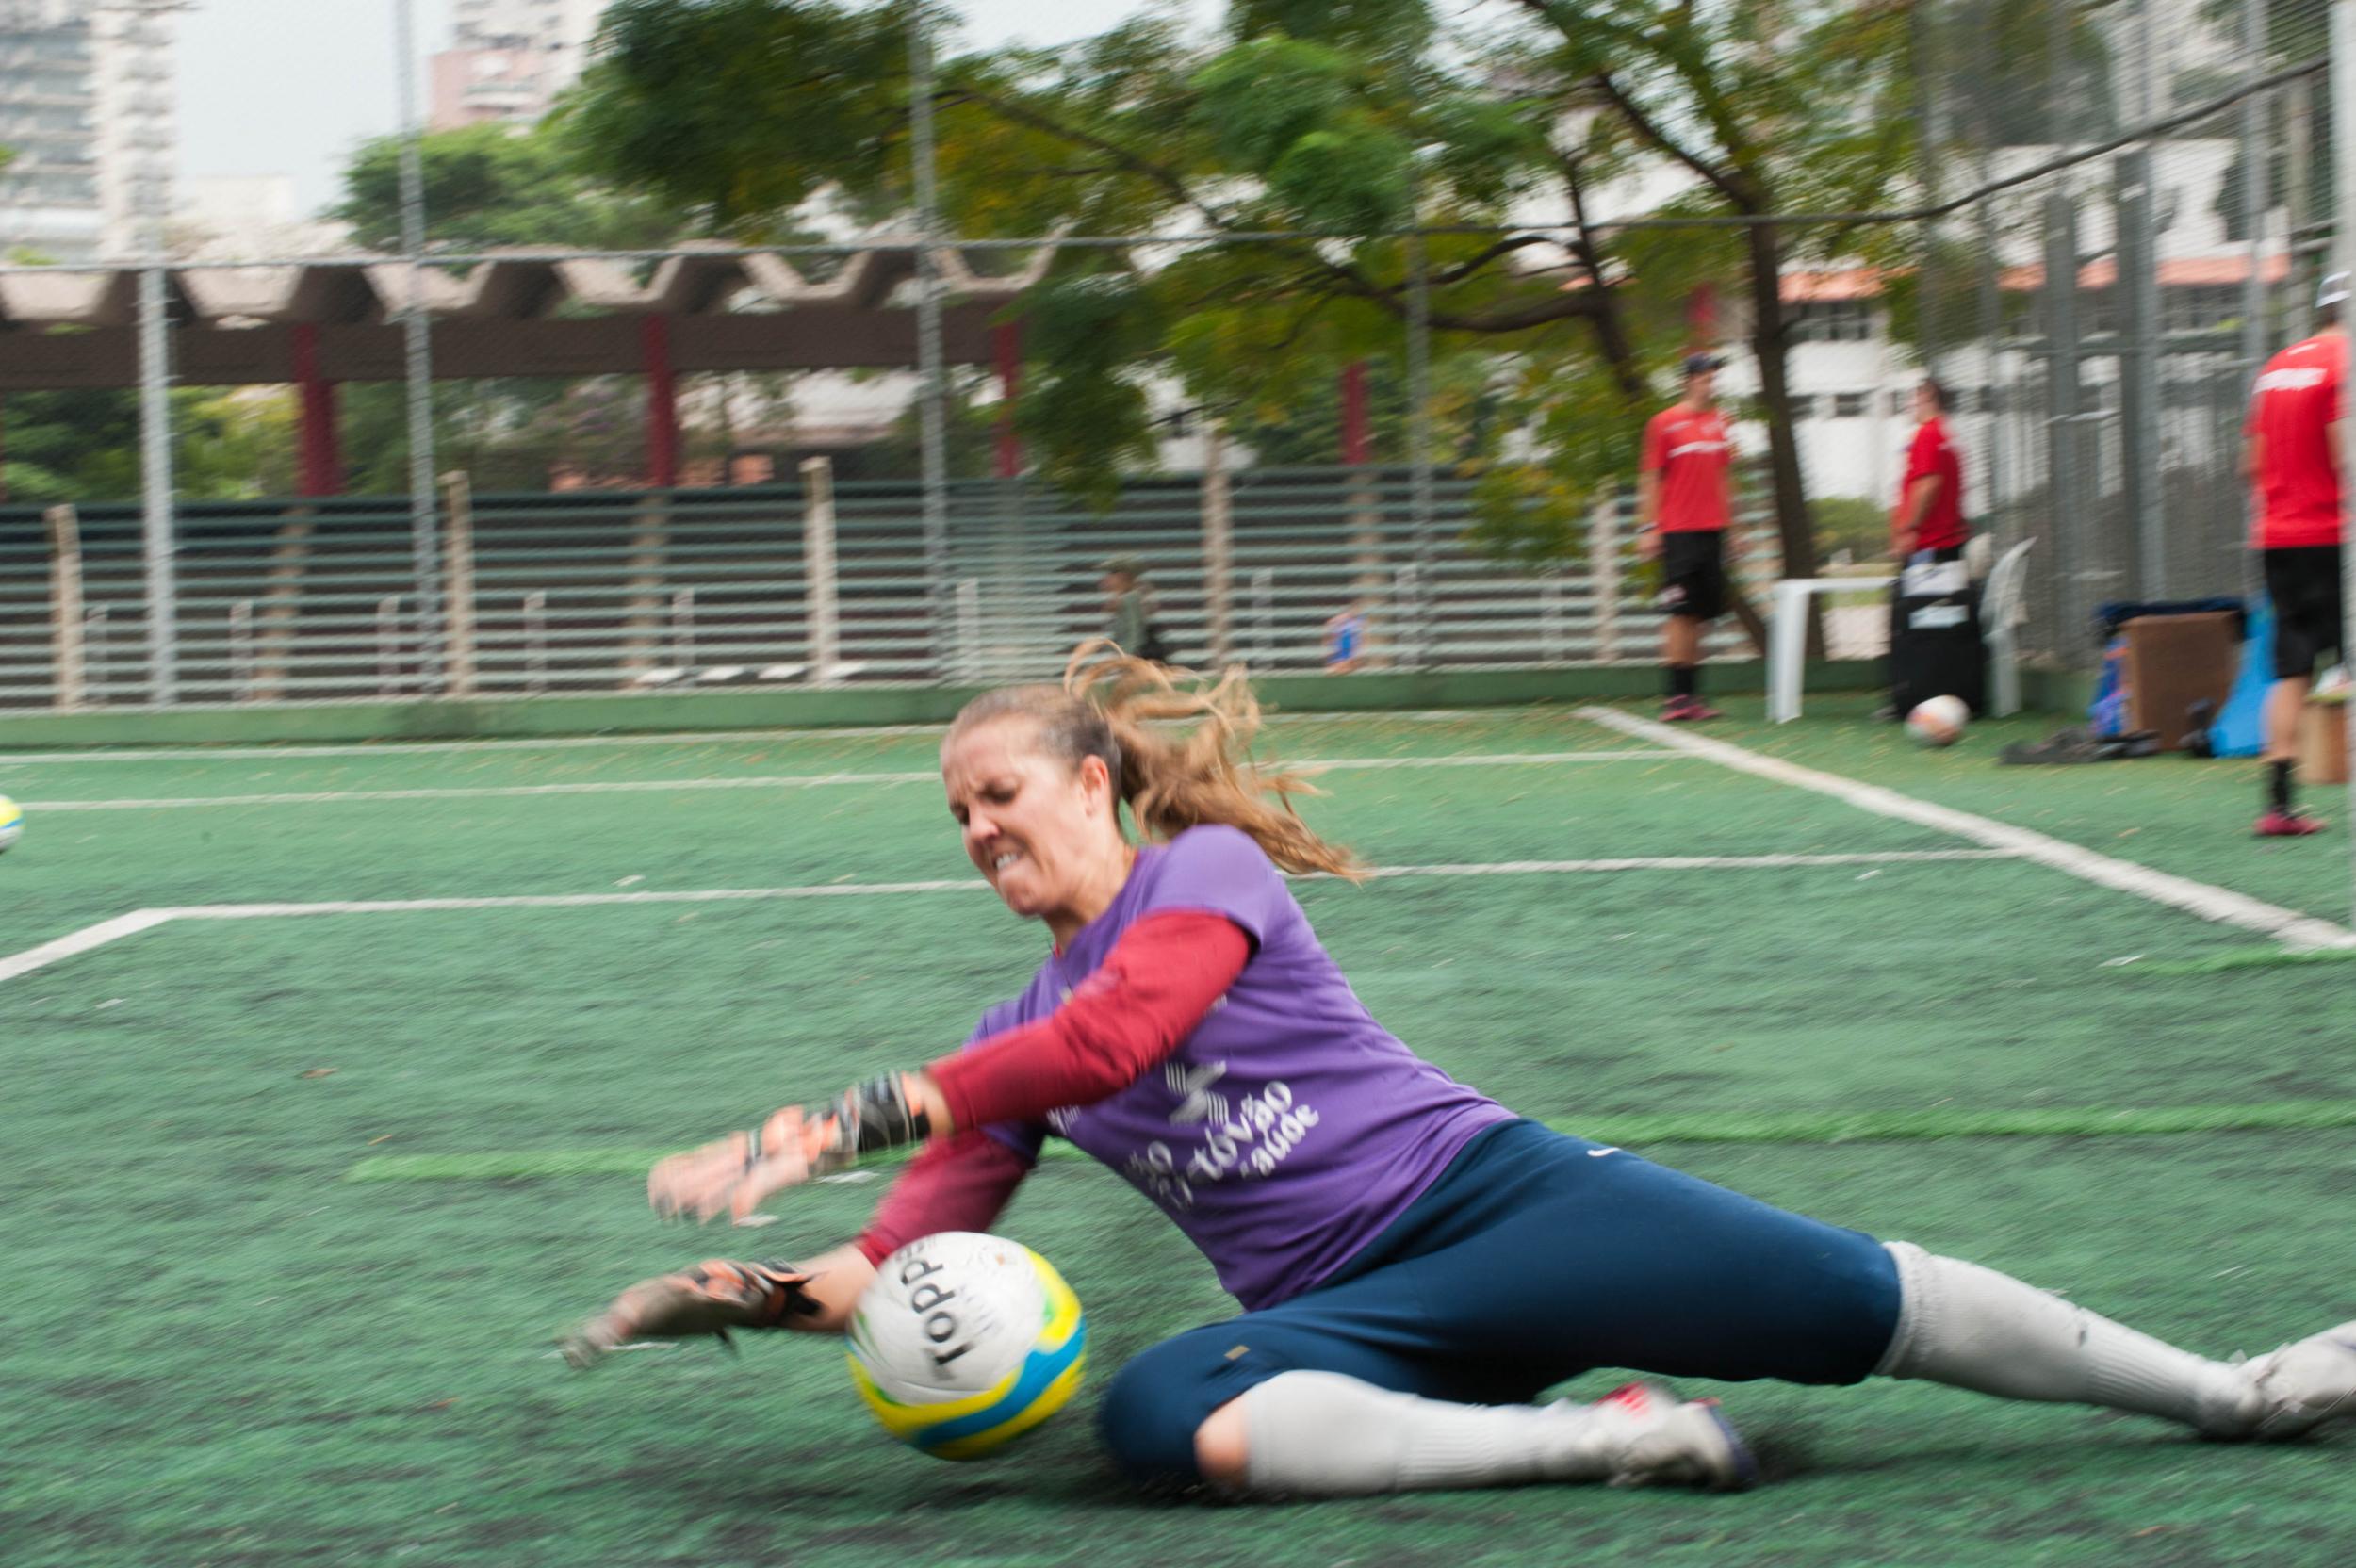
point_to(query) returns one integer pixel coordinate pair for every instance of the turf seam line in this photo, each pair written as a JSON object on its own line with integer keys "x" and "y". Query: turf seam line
{"x": 854, "y": 889}
{"x": 296, "y": 749}
{"x": 782, "y": 781}
{"x": 1625, "y": 1132}
{"x": 141, "y": 920}
{"x": 2218, "y": 905}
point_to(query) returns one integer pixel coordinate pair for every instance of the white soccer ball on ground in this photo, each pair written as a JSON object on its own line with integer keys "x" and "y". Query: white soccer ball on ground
{"x": 12, "y": 823}
{"x": 964, "y": 1342}
{"x": 1937, "y": 721}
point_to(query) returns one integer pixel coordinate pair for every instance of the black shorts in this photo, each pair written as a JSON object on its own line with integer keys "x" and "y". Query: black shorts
{"x": 1694, "y": 574}
{"x": 2304, "y": 584}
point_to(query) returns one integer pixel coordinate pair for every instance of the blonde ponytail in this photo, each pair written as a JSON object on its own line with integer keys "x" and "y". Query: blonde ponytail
{"x": 1173, "y": 779}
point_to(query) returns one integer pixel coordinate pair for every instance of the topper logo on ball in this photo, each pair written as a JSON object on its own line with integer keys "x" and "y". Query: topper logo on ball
{"x": 927, "y": 1299}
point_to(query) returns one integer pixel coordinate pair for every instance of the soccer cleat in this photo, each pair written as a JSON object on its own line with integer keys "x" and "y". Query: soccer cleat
{"x": 710, "y": 1299}
{"x": 2293, "y": 823}
{"x": 2307, "y": 1382}
{"x": 1664, "y": 1441}
{"x": 1697, "y": 711}
{"x": 1679, "y": 710}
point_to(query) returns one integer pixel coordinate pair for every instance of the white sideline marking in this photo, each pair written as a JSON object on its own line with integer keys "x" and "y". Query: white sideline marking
{"x": 142, "y": 920}
{"x": 785, "y": 781}
{"x": 2221, "y": 905}
{"x": 1693, "y": 862}
{"x": 295, "y": 750}
{"x": 81, "y": 941}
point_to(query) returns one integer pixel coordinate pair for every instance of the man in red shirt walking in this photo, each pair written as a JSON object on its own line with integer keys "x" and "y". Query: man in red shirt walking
{"x": 1682, "y": 515}
{"x": 2292, "y": 456}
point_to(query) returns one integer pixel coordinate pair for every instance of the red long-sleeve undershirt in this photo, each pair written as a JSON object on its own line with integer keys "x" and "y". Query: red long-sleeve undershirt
{"x": 1151, "y": 989}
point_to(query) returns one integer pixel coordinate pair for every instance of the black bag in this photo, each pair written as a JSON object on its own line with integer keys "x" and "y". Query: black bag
{"x": 1935, "y": 645}
{"x": 1155, "y": 649}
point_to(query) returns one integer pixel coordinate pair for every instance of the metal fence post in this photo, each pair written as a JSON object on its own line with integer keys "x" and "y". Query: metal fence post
{"x": 2064, "y": 505}
{"x": 241, "y": 651}
{"x": 931, "y": 437}
{"x": 460, "y": 679}
{"x": 1264, "y": 617}
{"x": 2344, "y": 259}
{"x": 388, "y": 645}
{"x": 968, "y": 664}
{"x": 535, "y": 616}
{"x": 1219, "y": 549}
{"x": 1425, "y": 612}
{"x": 1603, "y": 551}
{"x": 683, "y": 630}
{"x": 821, "y": 614}
{"x": 99, "y": 650}
{"x": 159, "y": 531}
{"x": 2256, "y": 159}
{"x": 65, "y": 607}
{"x": 418, "y": 349}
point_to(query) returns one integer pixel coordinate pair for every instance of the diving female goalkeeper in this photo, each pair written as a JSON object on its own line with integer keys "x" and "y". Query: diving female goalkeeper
{"x": 1415, "y": 1262}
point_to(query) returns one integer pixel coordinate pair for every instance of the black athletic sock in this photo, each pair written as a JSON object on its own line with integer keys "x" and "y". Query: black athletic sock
{"x": 2279, "y": 785}
{"x": 1693, "y": 681}
{"x": 1681, "y": 680}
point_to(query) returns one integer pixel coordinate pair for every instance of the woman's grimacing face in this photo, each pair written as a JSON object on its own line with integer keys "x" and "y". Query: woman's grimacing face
{"x": 1040, "y": 831}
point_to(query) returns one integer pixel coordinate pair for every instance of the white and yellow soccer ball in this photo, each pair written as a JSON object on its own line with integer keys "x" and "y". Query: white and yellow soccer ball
{"x": 12, "y": 823}
{"x": 1937, "y": 721}
{"x": 965, "y": 1342}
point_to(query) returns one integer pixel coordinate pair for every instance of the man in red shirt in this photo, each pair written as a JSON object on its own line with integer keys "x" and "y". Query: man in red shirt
{"x": 2292, "y": 456}
{"x": 1682, "y": 515}
{"x": 1928, "y": 521}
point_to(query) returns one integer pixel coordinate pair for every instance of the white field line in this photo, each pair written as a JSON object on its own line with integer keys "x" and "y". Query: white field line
{"x": 142, "y": 920}
{"x": 2221, "y": 905}
{"x": 857, "y": 890}
{"x": 785, "y": 781}
{"x": 81, "y": 941}
{"x": 296, "y": 751}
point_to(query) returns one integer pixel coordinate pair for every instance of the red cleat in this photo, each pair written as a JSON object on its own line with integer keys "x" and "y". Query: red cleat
{"x": 1679, "y": 710}
{"x": 2287, "y": 824}
{"x": 1696, "y": 710}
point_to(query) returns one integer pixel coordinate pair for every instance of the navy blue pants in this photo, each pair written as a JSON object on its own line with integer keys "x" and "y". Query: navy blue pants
{"x": 1533, "y": 1258}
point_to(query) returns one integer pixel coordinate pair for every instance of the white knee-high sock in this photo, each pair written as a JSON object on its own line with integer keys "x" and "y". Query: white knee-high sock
{"x": 1972, "y": 1328}
{"x": 1323, "y": 1434}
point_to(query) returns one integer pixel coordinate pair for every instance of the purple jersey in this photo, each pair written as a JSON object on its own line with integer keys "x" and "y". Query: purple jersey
{"x": 1290, "y": 1127}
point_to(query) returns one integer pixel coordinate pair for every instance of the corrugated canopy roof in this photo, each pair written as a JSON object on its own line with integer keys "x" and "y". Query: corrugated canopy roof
{"x": 528, "y": 314}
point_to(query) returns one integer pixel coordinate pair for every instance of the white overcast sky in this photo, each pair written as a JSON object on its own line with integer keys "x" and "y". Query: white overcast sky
{"x": 289, "y": 86}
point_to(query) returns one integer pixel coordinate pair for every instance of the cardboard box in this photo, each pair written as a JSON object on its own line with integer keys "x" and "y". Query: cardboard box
{"x": 2175, "y": 661}
{"x": 2323, "y": 742}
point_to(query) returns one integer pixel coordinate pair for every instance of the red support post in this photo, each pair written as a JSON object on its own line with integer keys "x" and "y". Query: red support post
{"x": 321, "y": 456}
{"x": 1006, "y": 340}
{"x": 1356, "y": 443}
{"x": 654, "y": 340}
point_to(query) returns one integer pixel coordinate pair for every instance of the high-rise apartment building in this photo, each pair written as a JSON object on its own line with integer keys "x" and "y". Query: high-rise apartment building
{"x": 86, "y": 109}
{"x": 49, "y": 200}
{"x": 510, "y": 58}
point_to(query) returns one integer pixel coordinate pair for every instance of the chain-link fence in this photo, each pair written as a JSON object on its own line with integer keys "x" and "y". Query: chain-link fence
{"x": 414, "y": 453}
{"x": 2135, "y": 211}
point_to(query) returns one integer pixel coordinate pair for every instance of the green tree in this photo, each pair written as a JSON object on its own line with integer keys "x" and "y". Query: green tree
{"x": 1339, "y": 124}
{"x": 494, "y": 185}
{"x": 84, "y": 446}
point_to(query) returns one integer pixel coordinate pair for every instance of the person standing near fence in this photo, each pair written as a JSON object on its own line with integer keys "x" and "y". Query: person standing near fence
{"x": 2292, "y": 455}
{"x": 1681, "y": 521}
{"x": 1929, "y": 525}
{"x": 1129, "y": 610}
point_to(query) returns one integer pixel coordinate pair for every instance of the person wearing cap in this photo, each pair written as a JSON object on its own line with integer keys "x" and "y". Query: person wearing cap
{"x": 1681, "y": 517}
{"x": 2292, "y": 456}
{"x": 1129, "y": 609}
